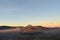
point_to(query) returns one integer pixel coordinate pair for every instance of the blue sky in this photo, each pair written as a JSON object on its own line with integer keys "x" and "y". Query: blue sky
{"x": 23, "y": 12}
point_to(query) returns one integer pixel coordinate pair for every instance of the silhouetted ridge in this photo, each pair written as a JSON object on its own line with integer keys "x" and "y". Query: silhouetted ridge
{"x": 6, "y": 27}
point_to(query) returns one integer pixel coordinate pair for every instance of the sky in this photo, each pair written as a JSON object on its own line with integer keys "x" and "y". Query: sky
{"x": 35, "y": 12}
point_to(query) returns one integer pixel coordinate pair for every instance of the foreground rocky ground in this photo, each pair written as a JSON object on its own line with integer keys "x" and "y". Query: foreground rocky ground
{"x": 30, "y": 33}
{"x": 29, "y": 36}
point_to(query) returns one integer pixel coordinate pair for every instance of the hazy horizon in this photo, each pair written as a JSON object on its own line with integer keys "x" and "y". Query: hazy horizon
{"x": 35, "y": 12}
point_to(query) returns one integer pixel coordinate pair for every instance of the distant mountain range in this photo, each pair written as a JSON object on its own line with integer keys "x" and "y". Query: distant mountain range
{"x": 28, "y": 28}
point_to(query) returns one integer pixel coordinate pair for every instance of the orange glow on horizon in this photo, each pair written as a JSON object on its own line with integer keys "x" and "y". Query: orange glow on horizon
{"x": 45, "y": 24}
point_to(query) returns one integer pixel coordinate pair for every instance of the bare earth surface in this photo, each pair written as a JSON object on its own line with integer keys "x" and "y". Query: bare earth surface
{"x": 25, "y": 34}
{"x": 11, "y": 30}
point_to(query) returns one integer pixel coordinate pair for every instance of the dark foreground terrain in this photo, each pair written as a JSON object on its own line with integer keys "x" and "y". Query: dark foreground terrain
{"x": 29, "y": 36}
{"x": 41, "y": 34}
